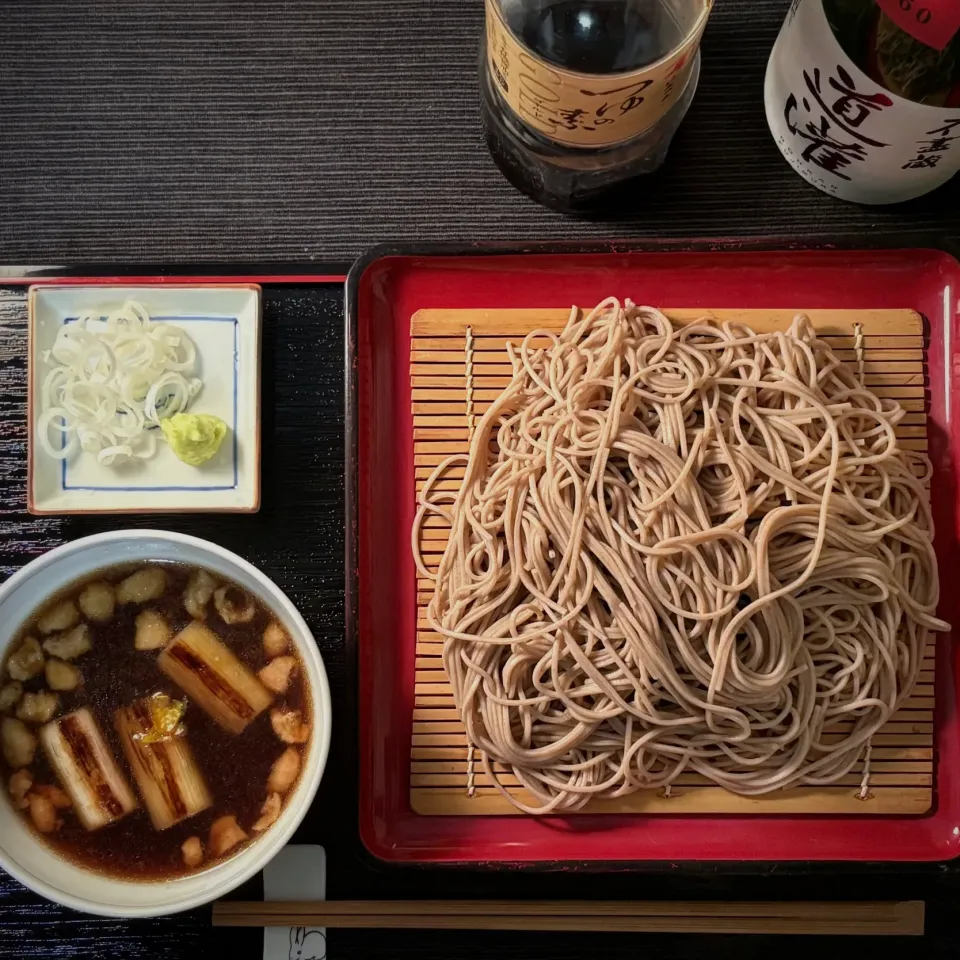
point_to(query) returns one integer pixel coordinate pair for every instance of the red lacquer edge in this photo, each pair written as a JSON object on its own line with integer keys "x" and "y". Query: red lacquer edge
{"x": 389, "y": 828}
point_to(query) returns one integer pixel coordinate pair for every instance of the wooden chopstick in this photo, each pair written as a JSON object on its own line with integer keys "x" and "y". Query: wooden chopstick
{"x": 895, "y": 918}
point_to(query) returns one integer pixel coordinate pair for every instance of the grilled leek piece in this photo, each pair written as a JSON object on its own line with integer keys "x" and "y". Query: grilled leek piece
{"x": 90, "y": 775}
{"x": 208, "y": 672}
{"x": 167, "y": 775}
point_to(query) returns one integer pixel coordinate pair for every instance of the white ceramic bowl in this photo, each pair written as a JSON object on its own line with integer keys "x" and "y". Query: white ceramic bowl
{"x": 36, "y": 865}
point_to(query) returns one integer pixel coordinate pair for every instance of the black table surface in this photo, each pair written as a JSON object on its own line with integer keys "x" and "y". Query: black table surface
{"x": 249, "y": 130}
{"x": 183, "y": 130}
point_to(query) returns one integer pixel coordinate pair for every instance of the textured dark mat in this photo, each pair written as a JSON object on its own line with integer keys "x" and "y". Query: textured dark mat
{"x": 183, "y": 130}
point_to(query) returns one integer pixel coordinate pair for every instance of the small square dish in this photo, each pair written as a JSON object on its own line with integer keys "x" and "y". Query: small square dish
{"x": 223, "y": 323}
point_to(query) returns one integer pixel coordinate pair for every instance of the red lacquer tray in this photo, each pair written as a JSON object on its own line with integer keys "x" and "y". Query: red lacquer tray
{"x": 383, "y": 292}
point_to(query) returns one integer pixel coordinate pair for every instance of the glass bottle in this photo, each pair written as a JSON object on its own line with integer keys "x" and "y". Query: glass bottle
{"x": 581, "y": 96}
{"x": 863, "y": 96}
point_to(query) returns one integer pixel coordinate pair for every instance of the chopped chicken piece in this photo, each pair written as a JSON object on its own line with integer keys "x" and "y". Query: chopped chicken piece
{"x": 54, "y": 794}
{"x": 284, "y": 771}
{"x": 268, "y": 813}
{"x": 43, "y": 813}
{"x": 275, "y": 640}
{"x": 153, "y": 631}
{"x": 97, "y": 601}
{"x": 277, "y": 674}
{"x": 288, "y": 725}
{"x": 225, "y": 834}
{"x": 144, "y": 585}
{"x": 19, "y": 787}
{"x": 197, "y": 595}
{"x": 192, "y": 849}
{"x": 19, "y": 742}
{"x": 62, "y": 675}
{"x": 10, "y": 694}
{"x": 70, "y": 645}
{"x": 37, "y": 708}
{"x": 233, "y": 605}
{"x": 61, "y": 617}
{"x": 26, "y": 662}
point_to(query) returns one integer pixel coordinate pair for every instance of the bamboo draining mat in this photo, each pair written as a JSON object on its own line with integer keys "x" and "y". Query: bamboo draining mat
{"x": 459, "y": 353}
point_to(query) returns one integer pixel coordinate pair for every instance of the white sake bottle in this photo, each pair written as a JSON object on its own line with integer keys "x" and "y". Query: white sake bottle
{"x": 863, "y": 96}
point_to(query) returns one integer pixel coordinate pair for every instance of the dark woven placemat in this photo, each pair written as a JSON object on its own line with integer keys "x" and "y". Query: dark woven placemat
{"x": 267, "y": 129}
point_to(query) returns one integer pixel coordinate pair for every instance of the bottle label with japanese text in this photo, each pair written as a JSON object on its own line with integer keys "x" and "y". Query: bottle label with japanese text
{"x": 841, "y": 130}
{"x": 580, "y": 109}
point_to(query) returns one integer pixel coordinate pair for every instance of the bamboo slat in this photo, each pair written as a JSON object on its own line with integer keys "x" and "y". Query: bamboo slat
{"x": 519, "y": 322}
{"x": 879, "y": 754}
{"x": 823, "y": 801}
{"x": 495, "y": 344}
{"x": 892, "y": 363}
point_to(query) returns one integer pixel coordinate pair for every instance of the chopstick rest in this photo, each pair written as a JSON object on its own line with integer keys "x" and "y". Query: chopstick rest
{"x": 297, "y": 872}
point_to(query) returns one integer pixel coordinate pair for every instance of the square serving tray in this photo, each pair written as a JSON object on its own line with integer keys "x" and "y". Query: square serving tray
{"x": 384, "y": 292}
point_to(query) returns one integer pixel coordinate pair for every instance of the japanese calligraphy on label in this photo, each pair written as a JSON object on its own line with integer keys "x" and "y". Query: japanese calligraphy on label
{"x": 842, "y": 131}
{"x": 586, "y": 110}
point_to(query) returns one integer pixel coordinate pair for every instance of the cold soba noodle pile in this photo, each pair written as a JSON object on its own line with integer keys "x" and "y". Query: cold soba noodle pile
{"x": 681, "y": 549}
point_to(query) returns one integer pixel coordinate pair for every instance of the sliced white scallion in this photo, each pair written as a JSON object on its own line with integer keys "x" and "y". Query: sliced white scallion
{"x": 113, "y": 380}
{"x": 56, "y": 418}
{"x": 171, "y": 393}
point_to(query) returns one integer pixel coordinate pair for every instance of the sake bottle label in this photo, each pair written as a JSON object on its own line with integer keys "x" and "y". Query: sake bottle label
{"x": 587, "y": 109}
{"x": 841, "y": 130}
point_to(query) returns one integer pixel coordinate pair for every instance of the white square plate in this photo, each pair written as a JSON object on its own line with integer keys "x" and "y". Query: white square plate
{"x": 223, "y": 320}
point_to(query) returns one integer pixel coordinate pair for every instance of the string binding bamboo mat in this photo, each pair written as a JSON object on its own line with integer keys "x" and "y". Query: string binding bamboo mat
{"x": 458, "y": 365}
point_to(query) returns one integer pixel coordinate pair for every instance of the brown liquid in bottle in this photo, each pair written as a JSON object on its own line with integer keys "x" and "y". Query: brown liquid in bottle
{"x": 596, "y": 37}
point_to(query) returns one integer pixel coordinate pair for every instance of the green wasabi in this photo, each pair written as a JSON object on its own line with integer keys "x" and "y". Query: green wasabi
{"x": 194, "y": 437}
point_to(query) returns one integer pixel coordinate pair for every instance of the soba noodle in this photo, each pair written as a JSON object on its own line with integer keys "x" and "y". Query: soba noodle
{"x": 675, "y": 549}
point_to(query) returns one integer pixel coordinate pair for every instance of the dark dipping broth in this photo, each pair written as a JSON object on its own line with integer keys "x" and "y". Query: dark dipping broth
{"x": 234, "y": 766}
